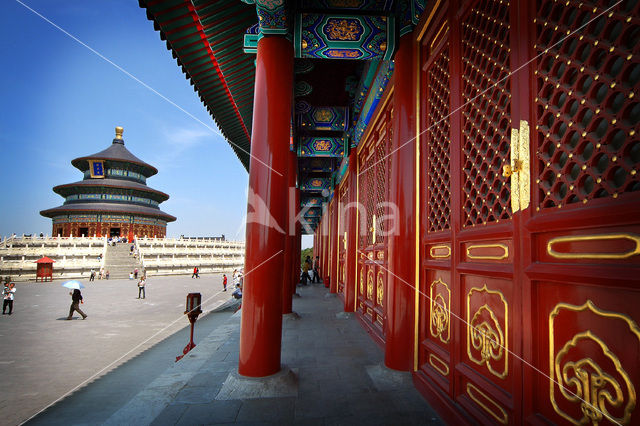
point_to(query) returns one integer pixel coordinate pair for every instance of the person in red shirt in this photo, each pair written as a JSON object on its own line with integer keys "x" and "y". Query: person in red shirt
{"x": 224, "y": 282}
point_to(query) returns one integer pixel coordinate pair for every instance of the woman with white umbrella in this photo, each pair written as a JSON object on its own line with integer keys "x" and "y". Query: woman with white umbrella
{"x": 76, "y": 298}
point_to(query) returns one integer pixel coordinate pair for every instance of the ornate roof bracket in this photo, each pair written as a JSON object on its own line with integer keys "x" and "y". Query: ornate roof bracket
{"x": 321, "y": 146}
{"x": 273, "y": 18}
{"x": 323, "y": 118}
{"x": 327, "y": 36}
{"x": 343, "y": 36}
{"x": 316, "y": 184}
{"x": 409, "y": 12}
{"x": 312, "y": 201}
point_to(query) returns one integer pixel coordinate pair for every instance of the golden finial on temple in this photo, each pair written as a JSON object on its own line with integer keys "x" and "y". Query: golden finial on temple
{"x": 119, "y": 131}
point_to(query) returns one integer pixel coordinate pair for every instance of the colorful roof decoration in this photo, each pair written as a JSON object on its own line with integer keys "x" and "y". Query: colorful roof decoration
{"x": 206, "y": 39}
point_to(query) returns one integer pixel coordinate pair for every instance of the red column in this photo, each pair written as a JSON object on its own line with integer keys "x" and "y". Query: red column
{"x": 290, "y": 248}
{"x": 400, "y": 292}
{"x": 261, "y": 329}
{"x": 324, "y": 257}
{"x": 351, "y": 221}
{"x": 335, "y": 240}
{"x": 298, "y": 253}
{"x": 327, "y": 251}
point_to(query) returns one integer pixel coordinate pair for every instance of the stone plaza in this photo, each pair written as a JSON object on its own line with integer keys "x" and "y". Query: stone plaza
{"x": 44, "y": 357}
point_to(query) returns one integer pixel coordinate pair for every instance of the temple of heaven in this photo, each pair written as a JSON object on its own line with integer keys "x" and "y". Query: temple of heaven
{"x": 112, "y": 199}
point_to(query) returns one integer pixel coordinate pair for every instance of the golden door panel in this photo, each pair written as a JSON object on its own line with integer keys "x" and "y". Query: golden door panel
{"x": 487, "y": 333}
{"x": 436, "y": 328}
{"x": 619, "y": 245}
{"x": 486, "y": 407}
{"x": 380, "y": 280}
{"x": 500, "y": 251}
{"x": 590, "y": 349}
{"x": 440, "y": 306}
{"x": 362, "y": 289}
{"x": 438, "y": 251}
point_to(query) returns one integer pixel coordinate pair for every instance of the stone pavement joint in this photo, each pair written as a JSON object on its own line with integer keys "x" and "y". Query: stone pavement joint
{"x": 158, "y": 394}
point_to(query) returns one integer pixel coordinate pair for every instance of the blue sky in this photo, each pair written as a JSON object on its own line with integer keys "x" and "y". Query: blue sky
{"x": 62, "y": 101}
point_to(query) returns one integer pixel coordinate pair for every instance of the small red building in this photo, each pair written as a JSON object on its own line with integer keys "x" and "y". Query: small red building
{"x": 45, "y": 269}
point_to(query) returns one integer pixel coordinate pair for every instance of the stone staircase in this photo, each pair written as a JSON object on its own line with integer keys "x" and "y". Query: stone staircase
{"x": 119, "y": 263}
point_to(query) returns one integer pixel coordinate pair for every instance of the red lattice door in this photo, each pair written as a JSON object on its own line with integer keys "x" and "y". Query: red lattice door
{"x": 373, "y": 166}
{"x": 530, "y": 207}
{"x": 584, "y": 219}
{"x": 470, "y": 301}
{"x": 343, "y": 197}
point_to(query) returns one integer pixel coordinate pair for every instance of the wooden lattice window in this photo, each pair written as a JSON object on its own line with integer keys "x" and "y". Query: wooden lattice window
{"x": 486, "y": 112}
{"x": 438, "y": 137}
{"x": 587, "y": 107}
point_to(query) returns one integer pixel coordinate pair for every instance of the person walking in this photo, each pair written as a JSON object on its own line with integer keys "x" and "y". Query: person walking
{"x": 316, "y": 270}
{"x": 141, "y": 285}
{"x": 135, "y": 273}
{"x": 224, "y": 282}
{"x": 8, "y": 293}
{"x": 195, "y": 272}
{"x": 92, "y": 277}
{"x": 305, "y": 272}
{"x": 76, "y": 300}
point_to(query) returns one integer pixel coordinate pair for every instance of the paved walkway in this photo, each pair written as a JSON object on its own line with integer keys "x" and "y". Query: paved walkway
{"x": 334, "y": 376}
{"x": 43, "y": 357}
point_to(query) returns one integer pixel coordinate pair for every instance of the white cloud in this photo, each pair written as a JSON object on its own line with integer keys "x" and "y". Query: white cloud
{"x": 175, "y": 143}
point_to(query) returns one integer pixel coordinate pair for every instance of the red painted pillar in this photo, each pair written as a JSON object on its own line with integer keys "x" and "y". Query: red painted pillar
{"x": 335, "y": 240}
{"x": 298, "y": 253}
{"x": 328, "y": 238}
{"x": 290, "y": 248}
{"x": 351, "y": 220}
{"x": 261, "y": 329}
{"x": 324, "y": 257}
{"x": 401, "y": 278}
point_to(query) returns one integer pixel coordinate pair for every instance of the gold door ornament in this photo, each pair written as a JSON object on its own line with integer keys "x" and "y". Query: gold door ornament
{"x": 440, "y": 297}
{"x": 519, "y": 169}
{"x": 370, "y": 285}
{"x": 373, "y": 229}
{"x": 362, "y": 280}
{"x": 380, "y": 290}
{"x": 588, "y": 383}
{"x": 487, "y": 337}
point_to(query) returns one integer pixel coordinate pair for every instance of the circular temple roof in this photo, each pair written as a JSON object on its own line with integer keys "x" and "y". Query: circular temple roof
{"x": 123, "y": 208}
{"x": 116, "y": 152}
{"x": 68, "y": 188}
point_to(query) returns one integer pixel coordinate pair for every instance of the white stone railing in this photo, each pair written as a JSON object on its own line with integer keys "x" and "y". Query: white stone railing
{"x": 161, "y": 256}
{"x": 74, "y": 256}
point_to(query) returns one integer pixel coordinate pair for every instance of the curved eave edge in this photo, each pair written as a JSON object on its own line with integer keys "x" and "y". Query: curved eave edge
{"x": 242, "y": 156}
{"x": 56, "y": 211}
{"x": 82, "y": 164}
{"x": 57, "y": 189}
